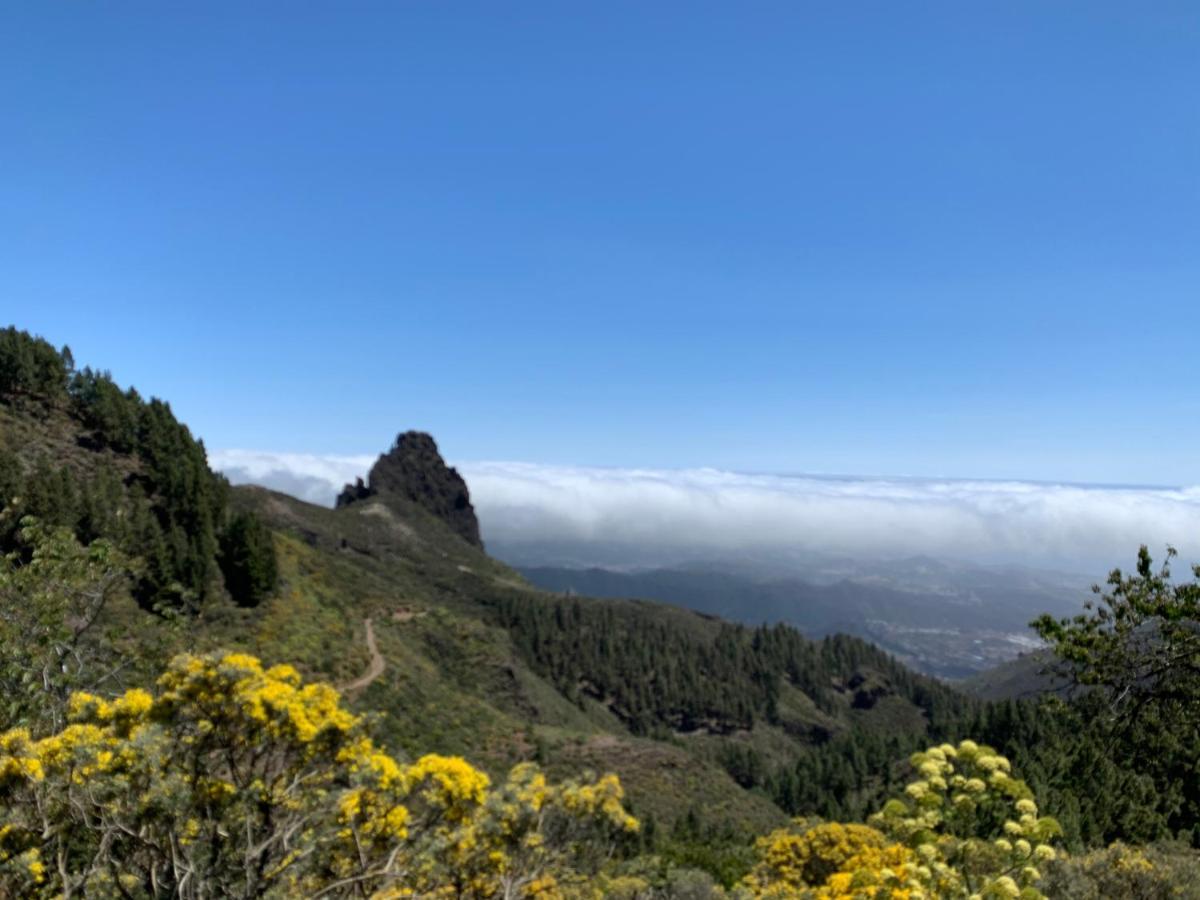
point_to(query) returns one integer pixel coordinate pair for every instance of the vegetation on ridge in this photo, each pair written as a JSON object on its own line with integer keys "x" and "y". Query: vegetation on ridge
{"x": 150, "y": 490}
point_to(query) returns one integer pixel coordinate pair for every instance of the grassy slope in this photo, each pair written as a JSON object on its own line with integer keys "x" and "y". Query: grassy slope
{"x": 40, "y": 435}
{"x": 452, "y": 683}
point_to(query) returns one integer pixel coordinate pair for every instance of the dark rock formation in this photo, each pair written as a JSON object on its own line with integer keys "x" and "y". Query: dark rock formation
{"x": 414, "y": 470}
{"x": 352, "y": 492}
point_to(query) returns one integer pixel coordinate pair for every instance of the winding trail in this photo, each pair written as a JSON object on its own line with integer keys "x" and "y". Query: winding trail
{"x": 374, "y": 668}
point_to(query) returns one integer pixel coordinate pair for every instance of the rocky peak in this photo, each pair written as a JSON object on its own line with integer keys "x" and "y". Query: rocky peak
{"x": 414, "y": 470}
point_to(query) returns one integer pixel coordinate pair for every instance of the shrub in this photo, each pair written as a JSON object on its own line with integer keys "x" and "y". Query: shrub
{"x": 1157, "y": 872}
{"x": 964, "y": 828}
{"x": 235, "y": 780}
{"x": 833, "y": 860}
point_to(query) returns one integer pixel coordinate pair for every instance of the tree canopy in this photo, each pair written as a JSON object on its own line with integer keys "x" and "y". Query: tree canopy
{"x": 168, "y": 508}
{"x": 1135, "y": 655}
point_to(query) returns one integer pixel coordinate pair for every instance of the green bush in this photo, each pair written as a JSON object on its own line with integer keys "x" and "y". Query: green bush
{"x": 1137, "y": 873}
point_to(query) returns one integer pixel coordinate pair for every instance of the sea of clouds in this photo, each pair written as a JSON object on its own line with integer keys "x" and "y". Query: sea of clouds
{"x": 317, "y": 479}
{"x": 1066, "y": 526}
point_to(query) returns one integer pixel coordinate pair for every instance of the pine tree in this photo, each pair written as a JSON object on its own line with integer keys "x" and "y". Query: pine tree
{"x": 248, "y": 560}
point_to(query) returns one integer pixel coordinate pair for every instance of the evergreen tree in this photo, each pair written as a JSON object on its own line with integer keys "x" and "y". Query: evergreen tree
{"x": 1136, "y": 654}
{"x": 167, "y": 510}
{"x": 248, "y": 560}
{"x": 30, "y": 368}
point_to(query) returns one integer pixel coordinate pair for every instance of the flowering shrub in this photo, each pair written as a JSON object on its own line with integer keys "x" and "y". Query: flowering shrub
{"x": 964, "y": 828}
{"x": 832, "y": 860}
{"x": 974, "y": 826}
{"x": 238, "y": 780}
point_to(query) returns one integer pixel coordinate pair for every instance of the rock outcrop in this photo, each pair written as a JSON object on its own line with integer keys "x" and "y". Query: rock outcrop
{"x": 414, "y": 470}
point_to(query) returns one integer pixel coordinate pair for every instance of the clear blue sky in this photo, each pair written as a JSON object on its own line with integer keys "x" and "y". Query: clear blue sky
{"x": 929, "y": 239}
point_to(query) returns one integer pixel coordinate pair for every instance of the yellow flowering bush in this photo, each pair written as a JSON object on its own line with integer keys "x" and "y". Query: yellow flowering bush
{"x": 965, "y": 828}
{"x": 237, "y": 780}
{"x": 833, "y": 860}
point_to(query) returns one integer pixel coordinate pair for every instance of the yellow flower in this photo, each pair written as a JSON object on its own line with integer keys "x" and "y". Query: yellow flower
{"x": 82, "y": 706}
{"x": 454, "y": 781}
{"x": 133, "y": 703}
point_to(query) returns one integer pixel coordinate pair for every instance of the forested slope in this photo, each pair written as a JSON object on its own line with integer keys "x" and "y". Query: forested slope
{"x": 475, "y": 660}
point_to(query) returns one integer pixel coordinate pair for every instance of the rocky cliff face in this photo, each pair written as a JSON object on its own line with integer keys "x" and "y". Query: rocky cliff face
{"x": 414, "y": 470}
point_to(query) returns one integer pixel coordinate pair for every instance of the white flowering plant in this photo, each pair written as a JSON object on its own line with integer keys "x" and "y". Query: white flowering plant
{"x": 973, "y": 825}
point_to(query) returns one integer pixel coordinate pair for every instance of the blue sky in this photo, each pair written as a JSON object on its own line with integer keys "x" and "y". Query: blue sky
{"x": 925, "y": 239}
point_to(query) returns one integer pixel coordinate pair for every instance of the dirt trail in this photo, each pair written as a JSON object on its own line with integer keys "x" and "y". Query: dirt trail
{"x": 374, "y": 668}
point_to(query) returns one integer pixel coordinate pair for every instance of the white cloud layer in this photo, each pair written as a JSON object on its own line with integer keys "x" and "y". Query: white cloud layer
{"x": 1085, "y": 528}
{"x": 317, "y": 479}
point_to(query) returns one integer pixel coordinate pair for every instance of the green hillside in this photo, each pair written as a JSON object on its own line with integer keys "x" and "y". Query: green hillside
{"x": 472, "y": 660}
{"x": 719, "y": 732}
{"x": 1027, "y": 676}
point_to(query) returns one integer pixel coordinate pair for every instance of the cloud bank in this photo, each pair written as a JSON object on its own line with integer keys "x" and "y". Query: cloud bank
{"x": 1086, "y": 528}
{"x": 317, "y": 479}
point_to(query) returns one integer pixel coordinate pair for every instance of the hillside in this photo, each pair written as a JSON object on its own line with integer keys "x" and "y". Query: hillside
{"x": 392, "y": 595}
{"x": 1021, "y": 678}
{"x": 476, "y": 661}
{"x": 951, "y": 622}
{"x": 718, "y": 731}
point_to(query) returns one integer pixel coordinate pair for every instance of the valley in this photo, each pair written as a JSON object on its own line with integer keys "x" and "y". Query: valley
{"x": 952, "y": 621}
